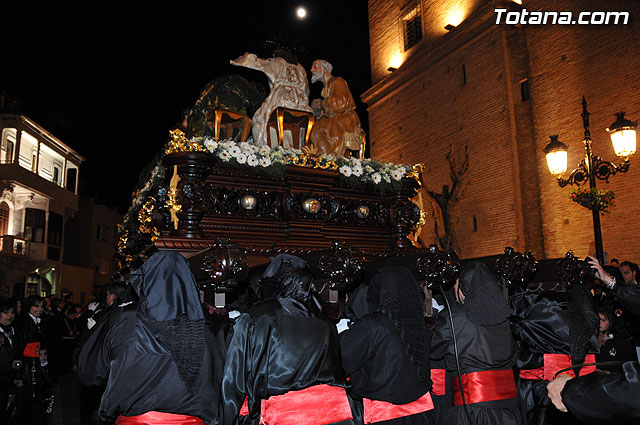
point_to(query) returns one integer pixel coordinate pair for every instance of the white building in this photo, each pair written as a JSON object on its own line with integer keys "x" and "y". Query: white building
{"x": 38, "y": 194}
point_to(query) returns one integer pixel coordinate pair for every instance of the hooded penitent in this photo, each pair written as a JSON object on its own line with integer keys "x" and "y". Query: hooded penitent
{"x": 288, "y": 279}
{"x": 156, "y": 355}
{"x": 385, "y": 350}
{"x": 169, "y": 304}
{"x": 394, "y": 292}
{"x": 280, "y": 345}
{"x": 483, "y": 351}
{"x": 484, "y": 302}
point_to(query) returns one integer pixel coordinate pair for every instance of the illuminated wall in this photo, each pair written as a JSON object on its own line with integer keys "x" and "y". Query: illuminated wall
{"x": 387, "y": 38}
{"x": 465, "y": 86}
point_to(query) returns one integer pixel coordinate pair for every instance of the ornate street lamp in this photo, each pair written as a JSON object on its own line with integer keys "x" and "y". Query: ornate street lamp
{"x": 623, "y": 137}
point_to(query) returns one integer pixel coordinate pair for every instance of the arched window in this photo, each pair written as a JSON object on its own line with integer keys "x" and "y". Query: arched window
{"x": 4, "y": 218}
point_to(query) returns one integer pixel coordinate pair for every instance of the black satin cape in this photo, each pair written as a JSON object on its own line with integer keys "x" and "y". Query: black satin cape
{"x": 373, "y": 354}
{"x": 605, "y": 398}
{"x": 540, "y": 324}
{"x": 628, "y": 295}
{"x": 479, "y": 348}
{"x": 272, "y": 352}
{"x": 126, "y": 352}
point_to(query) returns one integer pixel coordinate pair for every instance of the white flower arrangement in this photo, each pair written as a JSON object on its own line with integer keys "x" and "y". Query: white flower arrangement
{"x": 234, "y": 151}
{"x": 264, "y": 150}
{"x": 264, "y": 162}
{"x": 367, "y": 170}
{"x": 397, "y": 175}
{"x": 211, "y": 145}
{"x": 346, "y": 171}
{"x": 252, "y": 160}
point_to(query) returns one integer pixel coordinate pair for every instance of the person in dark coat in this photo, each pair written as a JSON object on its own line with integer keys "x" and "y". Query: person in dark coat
{"x": 9, "y": 364}
{"x": 485, "y": 350}
{"x": 385, "y": 351}
{"x": 158, "y": 360}
{"x": 37, "y": 387}
{"x": 282, "y": 357}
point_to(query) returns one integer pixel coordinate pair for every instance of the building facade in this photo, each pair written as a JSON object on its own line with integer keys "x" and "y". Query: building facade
{"x": 90, "y": 240}
{"x": 38, "y": 194}
{"x": 445, "y": 72}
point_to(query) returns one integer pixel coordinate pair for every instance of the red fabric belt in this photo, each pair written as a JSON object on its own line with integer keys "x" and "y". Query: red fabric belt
{"x": 316, "y": 405}
{"x": 159, "y": 418}
{"x": 438, "y": 379}
{"x": 32, "y": 349}
{"x": 377, "y": 411}
{"x": 487, "y": 385}
{"x": 556, "y": 362}
{"x": 244, "y": 409}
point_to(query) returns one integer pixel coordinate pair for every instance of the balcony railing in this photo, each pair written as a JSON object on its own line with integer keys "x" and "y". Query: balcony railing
{"x": 10, "y": 244}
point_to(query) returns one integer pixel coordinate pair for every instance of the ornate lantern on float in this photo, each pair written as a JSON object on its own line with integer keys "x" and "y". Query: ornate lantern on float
{"x": 218, "y": 269}
{"x": 343, "y": 266}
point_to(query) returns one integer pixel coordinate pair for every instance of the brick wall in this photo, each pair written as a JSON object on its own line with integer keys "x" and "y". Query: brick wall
{"x": 603, "y": 64}
{"x": 416, "y": 112}
{"x": 386, "y": 32}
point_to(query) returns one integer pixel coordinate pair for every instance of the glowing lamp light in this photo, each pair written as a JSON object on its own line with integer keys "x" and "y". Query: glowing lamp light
{"x": 623, "y": 136}
{"x": 456, "y": 17}
{"x": 556, "y": 153}
{"x": 396, "y": 61}
{"x": 301, "y": 12}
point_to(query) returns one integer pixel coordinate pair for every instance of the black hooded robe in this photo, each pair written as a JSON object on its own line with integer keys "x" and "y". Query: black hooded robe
{"x": 481, "y": 347}
{"x": 605, "y": 397}
{"x": 374, "y": 355}
{"x": 157, "y": 355}
{"x": 278, "y": 347}
{"x": 540, "y": 326}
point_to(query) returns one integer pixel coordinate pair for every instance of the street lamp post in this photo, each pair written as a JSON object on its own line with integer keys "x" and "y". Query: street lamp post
{"x": 623, "y": 137}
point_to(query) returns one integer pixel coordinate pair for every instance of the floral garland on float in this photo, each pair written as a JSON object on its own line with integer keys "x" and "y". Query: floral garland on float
{"x": 155, "y": 193}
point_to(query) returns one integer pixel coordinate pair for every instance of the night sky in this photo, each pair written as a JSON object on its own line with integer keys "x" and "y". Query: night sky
{"x": 110, "y": 79}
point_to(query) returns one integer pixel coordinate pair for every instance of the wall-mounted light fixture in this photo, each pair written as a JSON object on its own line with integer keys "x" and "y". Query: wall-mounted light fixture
{"x": 395, "y": 62}
{"x": 449, "y": 27}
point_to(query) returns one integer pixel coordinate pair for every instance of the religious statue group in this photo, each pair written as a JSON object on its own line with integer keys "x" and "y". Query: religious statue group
{"x": 335, "y": 127}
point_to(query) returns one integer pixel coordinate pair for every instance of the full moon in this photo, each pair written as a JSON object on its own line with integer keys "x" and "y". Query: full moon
{"x": 301, "y": 12}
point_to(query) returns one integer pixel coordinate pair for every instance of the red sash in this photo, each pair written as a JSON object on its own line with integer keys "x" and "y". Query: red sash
{"x": 244, "y": 409}
{"x": 159, "y": 418}
{"x": 377, "y": 411}
{"x": 438, "y": 379}
{"x": 487, "y": 385}
{"x": 556, "y": 362}
{"x": 316, "y": 405}
{"x": 32, "y": 349}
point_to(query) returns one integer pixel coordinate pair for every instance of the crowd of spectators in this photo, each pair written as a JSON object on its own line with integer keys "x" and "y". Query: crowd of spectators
{"x": 39, "y": 337}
